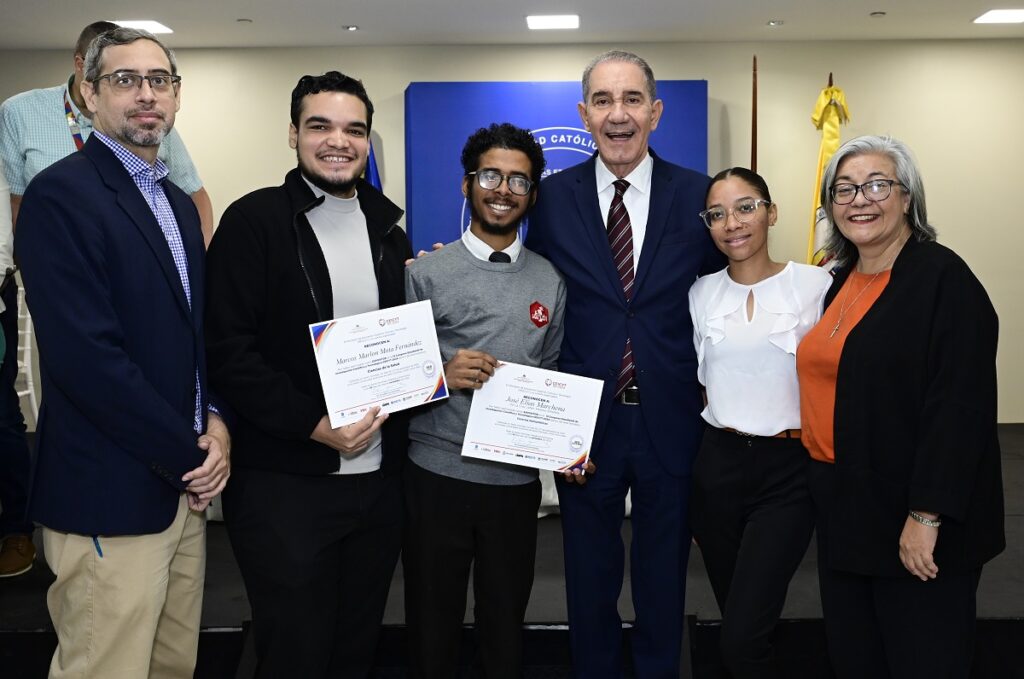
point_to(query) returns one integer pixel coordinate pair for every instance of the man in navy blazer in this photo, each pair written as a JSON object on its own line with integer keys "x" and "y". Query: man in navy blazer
{"x": 128, "y": 453}
{"x": 629, "y": 252}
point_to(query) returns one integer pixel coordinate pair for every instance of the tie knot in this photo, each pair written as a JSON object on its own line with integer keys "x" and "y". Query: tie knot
{"x": 620, "y": 186}
{"x": 500, "y": 257}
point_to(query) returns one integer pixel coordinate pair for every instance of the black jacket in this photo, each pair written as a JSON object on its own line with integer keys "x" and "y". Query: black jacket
{"x": 267, "y": 281}
{"x": 915, "y": 419}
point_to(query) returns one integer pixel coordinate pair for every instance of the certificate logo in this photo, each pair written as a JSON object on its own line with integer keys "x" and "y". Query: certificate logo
{"x": 576, "y": 443}
{"x": 539, "y": 314}
{"x": 429, "y": 368}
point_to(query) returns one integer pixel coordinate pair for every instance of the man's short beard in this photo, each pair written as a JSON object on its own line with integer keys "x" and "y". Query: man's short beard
{"x": 137, "y": 136}
{"x": 496, "y": 229}
{"x": 334, "y": 188}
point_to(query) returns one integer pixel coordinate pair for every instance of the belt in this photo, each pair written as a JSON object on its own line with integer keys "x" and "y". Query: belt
{"x": 784, "y": 434}
{"x": 630, "y": 396}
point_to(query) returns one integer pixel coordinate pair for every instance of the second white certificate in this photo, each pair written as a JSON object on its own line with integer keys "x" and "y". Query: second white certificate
{"x": 387, "y": 358}
{"x": 533, "y": 417}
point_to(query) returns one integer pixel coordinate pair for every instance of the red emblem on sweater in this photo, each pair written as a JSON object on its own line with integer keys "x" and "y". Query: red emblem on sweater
{"x": 539, "y": 314}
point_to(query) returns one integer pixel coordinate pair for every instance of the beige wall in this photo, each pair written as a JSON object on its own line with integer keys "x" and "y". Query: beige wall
{"x": 957, "y": 103}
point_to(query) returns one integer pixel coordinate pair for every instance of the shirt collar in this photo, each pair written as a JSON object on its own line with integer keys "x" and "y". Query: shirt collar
{"x": 132, "y": 163}
{"x": 639, "y": 178}
{"x": 83, "y": 120}
{"x": 482, "y": 250}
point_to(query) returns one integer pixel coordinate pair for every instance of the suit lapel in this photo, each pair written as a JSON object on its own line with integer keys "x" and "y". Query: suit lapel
{"x": 662, "y": 196}
{"x": 593, "y": 224}
{"x": 130, "y": 198}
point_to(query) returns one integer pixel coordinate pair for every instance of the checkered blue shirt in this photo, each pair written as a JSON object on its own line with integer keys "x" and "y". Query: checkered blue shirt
{"x": 148, "y": 178}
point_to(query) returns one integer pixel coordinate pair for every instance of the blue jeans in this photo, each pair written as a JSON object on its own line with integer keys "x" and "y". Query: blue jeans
{"x": 15, "y": 461}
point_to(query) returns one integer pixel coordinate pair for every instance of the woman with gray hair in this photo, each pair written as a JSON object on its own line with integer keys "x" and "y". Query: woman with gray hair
{"x": 898, "y": 404}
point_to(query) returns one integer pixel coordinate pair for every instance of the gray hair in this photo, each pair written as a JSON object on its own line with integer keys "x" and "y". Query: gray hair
{"x": 907, "y": 174}
{"x": 619, "y": 55}
{"x": 119, "y": 36}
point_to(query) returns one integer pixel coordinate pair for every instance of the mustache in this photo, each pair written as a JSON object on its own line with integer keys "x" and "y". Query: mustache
{"x": 142, "y": 109}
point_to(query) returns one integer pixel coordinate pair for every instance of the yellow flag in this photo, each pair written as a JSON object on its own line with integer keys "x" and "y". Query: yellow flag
{"x": 829, "y": 112}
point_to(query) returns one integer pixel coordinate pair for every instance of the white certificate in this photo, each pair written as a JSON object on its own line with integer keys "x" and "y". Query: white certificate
{"x": 387, "y": 358}
{"x": 533, "y": 417}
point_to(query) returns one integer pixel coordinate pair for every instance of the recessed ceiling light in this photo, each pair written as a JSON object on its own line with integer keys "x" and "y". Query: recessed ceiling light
{"x": 1001, "y": 16}
{"x": 144, "y": 25}
{"x": 547, "y": 22}
{"x": 775, "y": 22}
{"x": 877, "y": 15}
{"x": 351, "y": 27}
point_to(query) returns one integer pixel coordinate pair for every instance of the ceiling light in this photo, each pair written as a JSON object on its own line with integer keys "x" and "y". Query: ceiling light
{"x": 543, "y": 22}
{"x": 144, "y": 25}
{"x": 775, "y": 22}
{"x": 1001, "y": 16}
{"x": 877, "y": 15}
{"x": 350, "y": 27}
{"x": 244, "y": 21}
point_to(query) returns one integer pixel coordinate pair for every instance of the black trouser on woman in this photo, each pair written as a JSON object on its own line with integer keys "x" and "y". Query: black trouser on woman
{"x": 886, "y": 627}
{"x": 752, "y": 517}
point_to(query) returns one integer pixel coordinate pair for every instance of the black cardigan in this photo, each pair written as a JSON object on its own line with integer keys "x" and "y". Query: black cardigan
{"x": 915, "y": 419}
{"x": 267, "y": 280}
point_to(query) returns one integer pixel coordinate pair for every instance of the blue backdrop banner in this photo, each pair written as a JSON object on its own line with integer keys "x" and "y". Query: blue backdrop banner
{"x": 439, "y": 117}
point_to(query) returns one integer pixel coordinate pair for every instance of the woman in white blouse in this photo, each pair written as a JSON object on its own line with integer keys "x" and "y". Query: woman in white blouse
{"x": 751, "y": 512}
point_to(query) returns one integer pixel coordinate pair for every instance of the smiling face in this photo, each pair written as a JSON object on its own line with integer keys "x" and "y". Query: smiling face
{"x": 871, "y": 226}
{"x": 620, "y": 115}
{"x": 741, "y": 241}
{"x": 138, "y": 119}
{"x": 332, "y": 141}
{"x": 498, "y": 212}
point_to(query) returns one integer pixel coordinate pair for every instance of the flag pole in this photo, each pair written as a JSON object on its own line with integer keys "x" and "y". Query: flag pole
{"x": 753, "y": 122}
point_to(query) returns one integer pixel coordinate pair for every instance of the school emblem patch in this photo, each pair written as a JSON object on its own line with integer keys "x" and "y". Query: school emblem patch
{"x": 539, "y": 314}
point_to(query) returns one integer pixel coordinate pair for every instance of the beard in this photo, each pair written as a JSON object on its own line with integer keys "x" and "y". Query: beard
{"x": 335, "y": 187}
{"x": 492, "y": 228}
{"x": 135, "y": 135}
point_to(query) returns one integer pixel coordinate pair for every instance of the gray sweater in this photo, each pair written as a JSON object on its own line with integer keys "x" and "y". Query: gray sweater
{"x": 485, "y": 306}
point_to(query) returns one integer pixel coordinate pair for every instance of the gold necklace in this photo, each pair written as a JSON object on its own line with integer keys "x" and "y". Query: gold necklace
{"x": 846, "y": 294}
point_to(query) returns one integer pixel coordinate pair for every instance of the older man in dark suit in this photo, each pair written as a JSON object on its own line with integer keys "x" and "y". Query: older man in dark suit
{"x": 623, "y": 229}
{"x": 128, "y": 454}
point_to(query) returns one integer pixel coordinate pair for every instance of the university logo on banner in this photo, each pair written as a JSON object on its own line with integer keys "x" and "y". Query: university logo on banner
{"x": 441, "y": 116}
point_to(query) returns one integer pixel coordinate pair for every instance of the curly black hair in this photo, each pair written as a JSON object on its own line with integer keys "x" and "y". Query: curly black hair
{"x": 503, "y": 136}
{"x": 332, "y": 81}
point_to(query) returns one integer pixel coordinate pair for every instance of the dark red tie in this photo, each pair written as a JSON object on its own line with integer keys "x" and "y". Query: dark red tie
{"x": 620, "y": 239}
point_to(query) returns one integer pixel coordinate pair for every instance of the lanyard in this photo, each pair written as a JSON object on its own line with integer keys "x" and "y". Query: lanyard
{"x": 76, "y": 131}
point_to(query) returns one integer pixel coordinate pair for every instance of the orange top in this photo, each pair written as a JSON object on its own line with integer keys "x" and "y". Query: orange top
{"x": 817, "y": 360}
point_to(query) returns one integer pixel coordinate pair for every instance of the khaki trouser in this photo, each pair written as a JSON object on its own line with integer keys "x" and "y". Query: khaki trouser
{"x": 132, "y": 612}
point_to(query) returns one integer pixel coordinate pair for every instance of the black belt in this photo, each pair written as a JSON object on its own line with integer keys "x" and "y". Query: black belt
{"x": 630, "y": 396}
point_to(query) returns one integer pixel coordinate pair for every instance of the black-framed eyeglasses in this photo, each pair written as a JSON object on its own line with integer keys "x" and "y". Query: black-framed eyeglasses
{"x": 742, "y": 210}
{"x": 491, "y": 180}
{"x": 875, "y": 190}
{"x": 125, "y": 82}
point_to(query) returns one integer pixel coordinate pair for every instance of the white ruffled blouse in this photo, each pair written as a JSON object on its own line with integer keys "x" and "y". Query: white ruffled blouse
{"x": 748, "y": 366}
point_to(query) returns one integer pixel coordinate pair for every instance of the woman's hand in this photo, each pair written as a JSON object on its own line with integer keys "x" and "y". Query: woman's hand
{"x": 917, "y": 544}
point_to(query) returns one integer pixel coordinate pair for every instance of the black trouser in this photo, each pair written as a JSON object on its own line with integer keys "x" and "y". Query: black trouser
{"x": 317, "y": 555}
{"x": 451, "y": 525}
{"x": 892, "y": 627}
{"x": 15, "y": 460}
{"x": 752, "y": 518}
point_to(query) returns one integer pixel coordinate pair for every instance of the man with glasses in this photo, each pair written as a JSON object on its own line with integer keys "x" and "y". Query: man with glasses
{"x": 623, "y": 229}
{"x": 493, "y": 301}
{"x": 314, "y": 513}
{"x": 130, "y": 451}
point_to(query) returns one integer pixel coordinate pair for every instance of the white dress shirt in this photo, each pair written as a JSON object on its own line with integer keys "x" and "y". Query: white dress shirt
{"x": 637, "y": 199}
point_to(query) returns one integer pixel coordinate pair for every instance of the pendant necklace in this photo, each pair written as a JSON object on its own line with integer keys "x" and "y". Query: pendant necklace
{"x": 846, "y": 294}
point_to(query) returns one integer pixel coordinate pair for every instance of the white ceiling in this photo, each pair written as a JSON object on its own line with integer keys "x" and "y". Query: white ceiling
{"x": 48, "y": 24}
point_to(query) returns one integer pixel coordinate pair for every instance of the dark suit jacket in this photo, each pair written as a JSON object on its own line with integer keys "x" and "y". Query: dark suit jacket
{"x": 566, "y": 226}
{"x": 119, "y": 347}
{"x": 915, "y": 419}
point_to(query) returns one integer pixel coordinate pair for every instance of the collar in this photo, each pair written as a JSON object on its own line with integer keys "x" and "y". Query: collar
{"x": 83, "y": 120}
{"x": 132, "y": 163}
{"x": 639, "y": 178}
{"x": 381, "y": 214}
{"x": 482, "y": 250}
{"x": 334, "y": 203}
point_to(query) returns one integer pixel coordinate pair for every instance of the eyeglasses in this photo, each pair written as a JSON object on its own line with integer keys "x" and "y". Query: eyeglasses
{"x": 491, "y": 180}
{"x": 742, "y": 210}
{"x": 875, "y": 190}
{"x": 125, "y": 82}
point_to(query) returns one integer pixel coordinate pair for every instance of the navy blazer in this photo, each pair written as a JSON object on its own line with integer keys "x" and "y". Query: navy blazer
{"x": 119, "y": 347}
{"x": 567, "y": 227}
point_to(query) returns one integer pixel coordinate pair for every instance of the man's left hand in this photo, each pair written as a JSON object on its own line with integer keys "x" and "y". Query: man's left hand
{"x": 917, "y": 545}
{"x": 578, "y": 475}
{"x": 207, "y": 481}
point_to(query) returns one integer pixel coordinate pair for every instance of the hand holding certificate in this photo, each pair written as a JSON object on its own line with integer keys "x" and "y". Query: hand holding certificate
{"x": 387, "y": 358}
{"x": 533, "y": 417}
